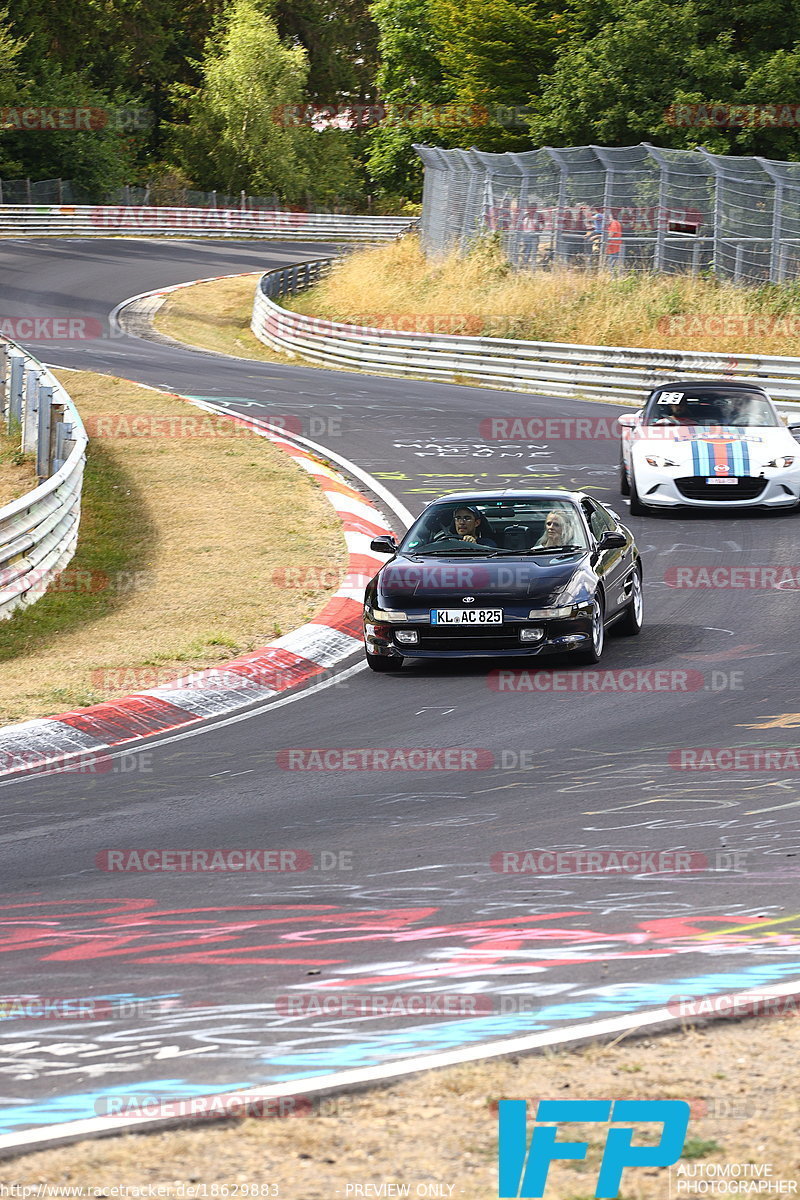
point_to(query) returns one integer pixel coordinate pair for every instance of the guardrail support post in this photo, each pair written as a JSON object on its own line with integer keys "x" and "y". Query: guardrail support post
{"x": 63, "y": 442}
{"x": 43, "y": 432}
{"x": 4, "y": 385}
{"x": 16, "y": 369}
{"x": 30, "y": 412}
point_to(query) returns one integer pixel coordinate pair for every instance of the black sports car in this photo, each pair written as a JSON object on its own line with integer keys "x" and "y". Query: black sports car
{"x": 510, "y": 573}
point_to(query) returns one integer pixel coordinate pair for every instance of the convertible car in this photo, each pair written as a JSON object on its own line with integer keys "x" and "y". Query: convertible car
{"x": 503, "y": 574}
{"x": 708, "y": 443}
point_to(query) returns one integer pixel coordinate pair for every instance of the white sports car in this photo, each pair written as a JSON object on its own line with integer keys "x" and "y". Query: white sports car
{"x": 709, "y": 443}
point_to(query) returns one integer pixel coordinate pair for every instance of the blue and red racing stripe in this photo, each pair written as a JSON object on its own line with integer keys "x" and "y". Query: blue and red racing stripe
{"x": 721, "y": 458}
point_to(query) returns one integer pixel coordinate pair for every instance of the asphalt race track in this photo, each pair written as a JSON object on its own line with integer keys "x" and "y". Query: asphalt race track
{"x": 404, "y": 896}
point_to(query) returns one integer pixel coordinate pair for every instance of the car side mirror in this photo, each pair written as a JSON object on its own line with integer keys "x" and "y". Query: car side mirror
{"x": 385, "y": 544}
{"x": 611, "y": 539}
{"x": 628, "y": 420}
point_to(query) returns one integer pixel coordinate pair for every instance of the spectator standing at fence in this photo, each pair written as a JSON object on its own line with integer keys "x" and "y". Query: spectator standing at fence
{"x": 594, "y": 234}
{"x": 613, "y": 243}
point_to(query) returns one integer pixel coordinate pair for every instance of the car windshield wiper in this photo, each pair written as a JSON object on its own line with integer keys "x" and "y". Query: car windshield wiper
{"x": 453, "y": 551}
{"x": 539, "y": 550}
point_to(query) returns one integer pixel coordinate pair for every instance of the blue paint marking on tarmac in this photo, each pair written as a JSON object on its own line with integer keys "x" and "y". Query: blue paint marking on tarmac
{"x": 616, "y": 998}
{"x": 82, "y": 1104}
{"x": 390, "y": 1045}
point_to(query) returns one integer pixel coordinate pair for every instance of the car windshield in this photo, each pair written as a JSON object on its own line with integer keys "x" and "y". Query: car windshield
{"x": 516, "y": 525}
{"x": 713, "y": 407}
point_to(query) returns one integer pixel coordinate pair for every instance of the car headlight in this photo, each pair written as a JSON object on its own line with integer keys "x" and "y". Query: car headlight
{"x": 781, "y": 460}
{"x": 378, "y": 614}
{"x": 659, "y": 460}
{"x": 563, "y": 610}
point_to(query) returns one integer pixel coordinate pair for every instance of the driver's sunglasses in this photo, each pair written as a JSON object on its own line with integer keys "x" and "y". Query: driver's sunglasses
{"x": 555, "y": 524}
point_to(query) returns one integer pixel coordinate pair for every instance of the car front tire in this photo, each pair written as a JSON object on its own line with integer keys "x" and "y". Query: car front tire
{"x": 595, "y": 651}
{"x": 631, "y": 622}
{"x": 624, "y": 482}
{"x": 637, "y": 509}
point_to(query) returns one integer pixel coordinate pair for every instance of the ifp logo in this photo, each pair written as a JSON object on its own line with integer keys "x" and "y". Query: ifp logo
{"x": 523, "y": 1170}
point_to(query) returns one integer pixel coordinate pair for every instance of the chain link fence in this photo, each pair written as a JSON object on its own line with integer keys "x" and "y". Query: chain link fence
{"x": 633, "y": 208}
{"x": 65, "y": 191}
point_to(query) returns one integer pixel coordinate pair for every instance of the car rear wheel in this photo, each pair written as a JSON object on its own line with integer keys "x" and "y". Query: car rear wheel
{"x": 637, "y": 508}
{"x": 380, "y": 662}
{"x": 631, "y": 623}
{"x": 624, "y": 483}
{"x": 595, "y": 651}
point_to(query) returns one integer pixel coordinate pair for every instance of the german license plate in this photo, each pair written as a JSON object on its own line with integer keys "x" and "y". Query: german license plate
{"x": 466, "y": 616}
{"x": 721, "y": 481}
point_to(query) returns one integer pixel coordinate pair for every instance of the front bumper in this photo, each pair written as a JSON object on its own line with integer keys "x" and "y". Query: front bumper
{"x": 489, "y": 641}
{"x": 657, "y": 489}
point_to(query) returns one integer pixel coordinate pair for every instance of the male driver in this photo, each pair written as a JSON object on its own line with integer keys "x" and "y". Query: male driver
{"x": 470, "y": 526}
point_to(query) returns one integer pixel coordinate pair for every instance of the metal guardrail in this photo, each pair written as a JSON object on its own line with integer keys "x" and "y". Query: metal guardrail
{"x": 39, "y": 531}
{"x": 603, "y": 372}
{"x": 22, "y": 220}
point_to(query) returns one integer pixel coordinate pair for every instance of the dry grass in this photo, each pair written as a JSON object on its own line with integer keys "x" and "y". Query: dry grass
{"x": 216, "y": 316}
{"x": 17, "y": 470}
{"x": 480, "y": 294}
{"x": 441, "y": 1128}
{"x": 180, "y": 537}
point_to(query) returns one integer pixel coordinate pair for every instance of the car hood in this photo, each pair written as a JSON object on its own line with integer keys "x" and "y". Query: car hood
{"x": 417, "y": 581}
{"x": 723, "y": 450}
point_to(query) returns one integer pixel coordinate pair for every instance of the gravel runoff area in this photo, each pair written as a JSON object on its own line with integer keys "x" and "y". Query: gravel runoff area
{"x": 435, "y": 1135}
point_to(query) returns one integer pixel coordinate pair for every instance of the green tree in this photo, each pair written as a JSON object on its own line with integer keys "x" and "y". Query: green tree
{"x": 341, "y": 40}
{"x": 242, "y": 129}
{"x": 97, "y": 160}
{"x": 625, "y": 63}
{"x": 409, "y": 78}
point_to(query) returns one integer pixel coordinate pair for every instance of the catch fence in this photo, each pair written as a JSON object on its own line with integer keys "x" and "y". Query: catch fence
{"x": 621, "y": 208}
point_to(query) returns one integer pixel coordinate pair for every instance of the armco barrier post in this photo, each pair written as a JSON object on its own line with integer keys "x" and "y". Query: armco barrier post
{"x": 43, "y": 431}
{"x": 30, "y": 411}
{"x": 5, "y": 371}
{"x": 64, "y": 444}
{"x": 16, "y": 373}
